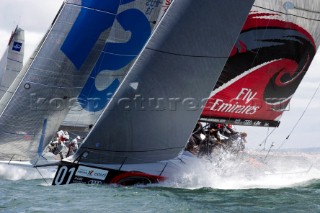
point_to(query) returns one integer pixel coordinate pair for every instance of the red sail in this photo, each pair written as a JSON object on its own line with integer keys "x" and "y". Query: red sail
{"x": 264, "y": 69}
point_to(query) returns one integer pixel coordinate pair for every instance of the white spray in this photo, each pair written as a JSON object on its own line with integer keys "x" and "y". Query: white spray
{"x": 248, "y": 170}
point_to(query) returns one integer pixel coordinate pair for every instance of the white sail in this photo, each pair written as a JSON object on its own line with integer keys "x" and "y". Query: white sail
{"x": 39, "y": 99}
{"x": 12, "y": 60}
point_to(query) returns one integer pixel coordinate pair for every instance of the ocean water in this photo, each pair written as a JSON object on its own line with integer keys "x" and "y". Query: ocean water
{"x": 280, "y": 182}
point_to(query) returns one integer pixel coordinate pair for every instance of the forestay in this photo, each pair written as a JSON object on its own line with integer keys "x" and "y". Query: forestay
{"x": 268, "y": 62}
{"x": 154, "y": 111}
{"x": 38, "y": 101}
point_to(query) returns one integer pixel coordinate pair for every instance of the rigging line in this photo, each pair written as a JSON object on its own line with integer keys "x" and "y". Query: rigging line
{"x": 309, "y": 169}
{"x": 163, "y": 169}
{"x": 265, "y": 140}
{"x": 91, "y": 8}
{"x": 314, "y": 163}
{"x": 11, "y": 159}
{"x": 307, "y": 10}
{"x": 272, "y": 145}
{"x": 311, "y": 19}
{"x": 39, "y": 156}
{"x": 41, "y": 175}
{"x": 268, "y": 135}
{"x": 296, "y": 124}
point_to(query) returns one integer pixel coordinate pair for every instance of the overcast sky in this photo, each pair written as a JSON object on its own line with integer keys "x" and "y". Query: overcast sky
{"x": 35, "y": 16}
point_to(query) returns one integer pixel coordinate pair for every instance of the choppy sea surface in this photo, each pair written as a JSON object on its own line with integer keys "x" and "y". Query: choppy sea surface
{"x": 252, "y": 182}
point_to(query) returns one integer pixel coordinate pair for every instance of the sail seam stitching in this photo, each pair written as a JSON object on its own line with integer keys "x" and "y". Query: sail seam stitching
{"x": 15, "y": 60}
{"x": 154, "y": 150}
{"x": 186, "y": 55}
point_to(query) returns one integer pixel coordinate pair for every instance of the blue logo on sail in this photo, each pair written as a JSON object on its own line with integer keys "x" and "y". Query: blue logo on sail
{"x": 17, "y": 46}
{"x": 115, "y": 56}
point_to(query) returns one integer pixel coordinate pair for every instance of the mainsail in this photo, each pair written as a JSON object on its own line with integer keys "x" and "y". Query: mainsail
{"x": 273, "y": 52}
{"x": 12, "y": 60}
{"x": 152, "y": 113}
{"x": 39, "y": 99}
{"x": 130, "y": 31}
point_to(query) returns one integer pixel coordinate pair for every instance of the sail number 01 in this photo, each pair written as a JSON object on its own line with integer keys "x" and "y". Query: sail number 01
{"x": 62, "y": 174}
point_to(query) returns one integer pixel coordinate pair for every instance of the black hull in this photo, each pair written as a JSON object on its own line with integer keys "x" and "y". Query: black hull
{"x": 68, "y": 173}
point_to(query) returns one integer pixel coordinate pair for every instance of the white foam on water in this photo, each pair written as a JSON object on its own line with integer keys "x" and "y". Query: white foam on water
{"x": 15, "y": 172}
{"x": 248, "y": 170}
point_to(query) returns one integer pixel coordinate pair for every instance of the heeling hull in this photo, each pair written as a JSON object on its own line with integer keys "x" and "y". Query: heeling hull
{"x": 68, "y": 173}
{"x": 124, "y": 174}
